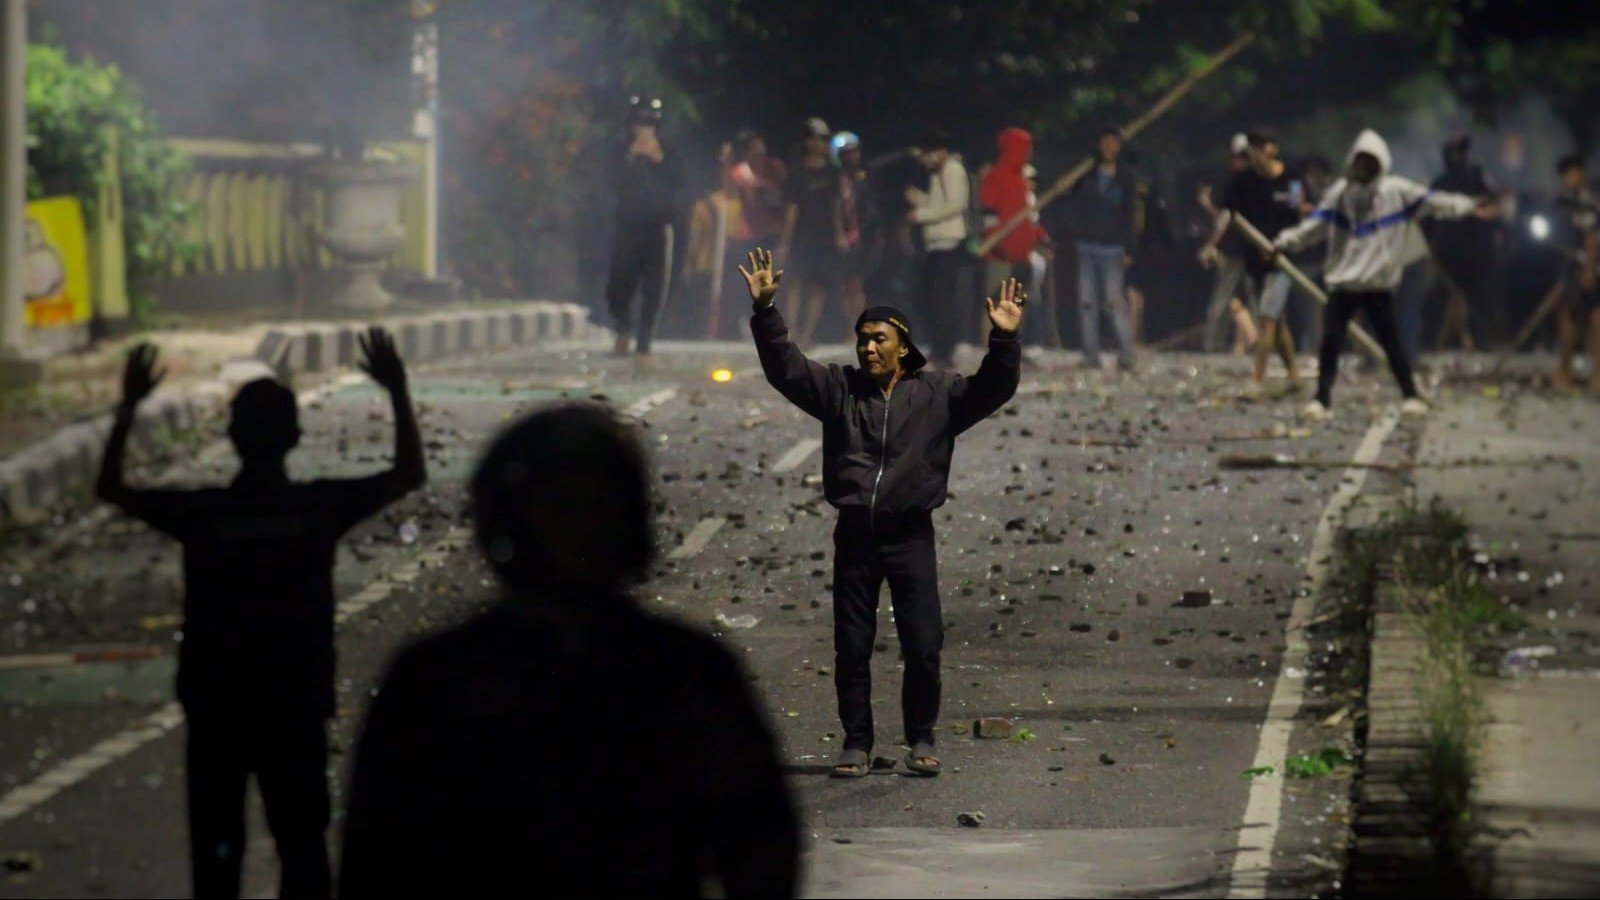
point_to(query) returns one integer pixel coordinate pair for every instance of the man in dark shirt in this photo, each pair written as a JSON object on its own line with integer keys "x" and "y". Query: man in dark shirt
{"x": 1102, "y": 207}
{"x": 566, "y": 743}
{"x": 649, "y": 187}
{"x": 1463, "y": 249}
{"x": 888, "y": 433}
{"x": 813, "y": 230}
{"x": 1267, "y": 195}
{"x": 256, "y": 665}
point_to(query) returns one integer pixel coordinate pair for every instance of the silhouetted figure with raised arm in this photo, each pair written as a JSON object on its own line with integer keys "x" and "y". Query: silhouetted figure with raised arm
{"x": 567, "y": 743}
{"x": 256, "y": 665}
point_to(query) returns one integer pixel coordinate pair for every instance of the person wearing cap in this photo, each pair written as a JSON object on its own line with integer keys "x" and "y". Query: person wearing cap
{"x": 649, "y": 188}
{"x": 813, "y": 237}
{"x": 942, "y": 211}
{"x": 888, "y": 432}
{"x": 1267, "y": 194}
{"x": 1222, "y": 252}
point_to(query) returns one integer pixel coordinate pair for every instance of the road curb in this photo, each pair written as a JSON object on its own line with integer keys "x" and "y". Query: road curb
{"x": 40, "y": 475}
{"x": 1393, "y": 852}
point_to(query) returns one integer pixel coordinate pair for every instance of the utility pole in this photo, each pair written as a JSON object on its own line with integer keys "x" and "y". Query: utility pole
{"x": 15, "y": 363}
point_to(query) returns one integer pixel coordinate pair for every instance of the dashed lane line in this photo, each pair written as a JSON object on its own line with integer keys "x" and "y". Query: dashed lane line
{"x": 21, "y": 799}
{"x": 796, "y": 455}
{"x": 698, "y": 537}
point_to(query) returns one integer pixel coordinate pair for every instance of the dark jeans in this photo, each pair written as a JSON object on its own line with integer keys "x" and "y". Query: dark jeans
{"x": 289, "y": 757}
{"x": 939, "y": 290}
{"x": 641, "y": 256}
{"x": 1379, "y": 306}
{"x": 900, "y": 550}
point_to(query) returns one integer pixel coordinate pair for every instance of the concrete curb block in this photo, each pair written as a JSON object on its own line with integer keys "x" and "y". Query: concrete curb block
{"x": 1392, "y": 852}
{"x": 293, "y": 349}
{"x": 45, "y": 472}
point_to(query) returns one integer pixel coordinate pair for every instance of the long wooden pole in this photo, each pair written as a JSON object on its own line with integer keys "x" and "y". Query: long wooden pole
{"x": 1260, "y": 242}
{"x": 1130, "y": 131}
{"x": 1552, "y": 298}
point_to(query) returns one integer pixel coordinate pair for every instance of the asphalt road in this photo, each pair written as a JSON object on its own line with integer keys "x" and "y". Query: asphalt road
{"x": 1079, "y": 517}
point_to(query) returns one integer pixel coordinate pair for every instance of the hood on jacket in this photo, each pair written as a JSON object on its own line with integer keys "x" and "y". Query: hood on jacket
{"x": 1016, "y": 148}
{"x": 1369, "y": 141}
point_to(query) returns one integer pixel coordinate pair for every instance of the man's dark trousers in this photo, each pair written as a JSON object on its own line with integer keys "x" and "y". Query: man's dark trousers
{"x": 1342, "y": 306}
{"x": 868, "y": 550}
{"x": 641, "y": 260}
{"x": 288, "y": 754}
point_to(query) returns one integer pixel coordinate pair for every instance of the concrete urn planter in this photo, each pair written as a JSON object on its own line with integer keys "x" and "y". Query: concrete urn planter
{"x": 361, "y": 226}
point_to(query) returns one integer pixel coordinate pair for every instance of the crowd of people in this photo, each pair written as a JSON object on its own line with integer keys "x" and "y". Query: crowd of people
{"x": 462, "y": 747}
{"x": 842, "y": 219}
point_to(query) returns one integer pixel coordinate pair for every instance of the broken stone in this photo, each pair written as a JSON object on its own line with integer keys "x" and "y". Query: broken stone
{"x": 882, "y": 763}
{"x": 993, "y": 727}
{"x": 1195, "y": 599}
{"x": 970, "y": 819}
{"x": 1106, "y": 760}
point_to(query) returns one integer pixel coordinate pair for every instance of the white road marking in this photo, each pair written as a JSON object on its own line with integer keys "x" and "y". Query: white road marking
{"x": 638, "y": 408}
{"x": 796, "y": 455}
{"x": 21, "y": 799}
{"x": 698, "y": 538}
{"x": 1263, "y": 813}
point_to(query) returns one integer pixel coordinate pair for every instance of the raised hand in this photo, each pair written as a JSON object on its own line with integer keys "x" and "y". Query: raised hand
{"x": 139, "y": 376}
{"x": 1006, "y": 315}
{"x": 381, "y": 360}
{"x": 761, "y": 277}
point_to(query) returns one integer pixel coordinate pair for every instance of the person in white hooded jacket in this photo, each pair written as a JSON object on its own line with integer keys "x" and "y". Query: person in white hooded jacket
{"x": 1369, "y": 218}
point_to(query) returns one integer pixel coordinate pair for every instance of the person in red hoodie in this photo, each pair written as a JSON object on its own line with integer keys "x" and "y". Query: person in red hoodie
{"x": 1002, "y": 193}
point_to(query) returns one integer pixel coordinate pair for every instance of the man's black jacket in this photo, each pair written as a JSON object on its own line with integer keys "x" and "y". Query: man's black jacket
{"x": 908, "y": 471}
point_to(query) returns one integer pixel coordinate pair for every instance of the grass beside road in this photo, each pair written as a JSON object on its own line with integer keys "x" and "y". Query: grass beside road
{"x": 1424, "y": 550}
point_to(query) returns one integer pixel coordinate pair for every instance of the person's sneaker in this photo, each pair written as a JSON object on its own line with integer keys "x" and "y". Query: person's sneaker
{"x": 1315, "y": 412}
{"x": 1252, "y": 390}
{"x": 1414, "y": 406}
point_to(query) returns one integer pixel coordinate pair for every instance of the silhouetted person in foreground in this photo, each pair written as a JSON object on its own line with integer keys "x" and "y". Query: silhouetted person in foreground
{"x": 256, "y": 665}
{"x": 567, "y": 743}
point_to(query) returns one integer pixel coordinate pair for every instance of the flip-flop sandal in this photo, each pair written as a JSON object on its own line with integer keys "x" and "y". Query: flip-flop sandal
{"x": 914, "y": 760}
{"x": 857, "y": 758}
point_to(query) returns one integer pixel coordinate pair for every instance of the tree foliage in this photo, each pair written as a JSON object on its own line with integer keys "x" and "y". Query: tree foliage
{"x": 70, "y": 107}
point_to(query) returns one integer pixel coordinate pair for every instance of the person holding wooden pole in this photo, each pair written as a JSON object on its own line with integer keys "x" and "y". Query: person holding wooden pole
{"x": 1267, "y": 194}
{"x": 1365, "y": 218}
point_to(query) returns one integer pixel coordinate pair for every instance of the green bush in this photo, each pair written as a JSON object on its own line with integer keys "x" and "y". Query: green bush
{"x": 70, "y": 106}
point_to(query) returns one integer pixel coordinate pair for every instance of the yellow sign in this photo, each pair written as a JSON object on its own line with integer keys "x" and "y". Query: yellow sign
{"x": 55, "y": 264}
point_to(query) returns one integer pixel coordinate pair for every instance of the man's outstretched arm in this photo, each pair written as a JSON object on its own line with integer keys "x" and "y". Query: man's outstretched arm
{"x": 975, "y": 398}
{"x": 139, "y": 378}
{"x": 803, "y": 382}
{"x": 382, "y": 361}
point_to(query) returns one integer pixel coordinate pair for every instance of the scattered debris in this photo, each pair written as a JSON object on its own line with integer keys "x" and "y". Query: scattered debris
{"x": 993, "y": 727}
{"x": 723, "y": 620}
{"x": 970, "y": 819}
{"x": 1107, "y": 760}
{"x": 1194, "y": 599}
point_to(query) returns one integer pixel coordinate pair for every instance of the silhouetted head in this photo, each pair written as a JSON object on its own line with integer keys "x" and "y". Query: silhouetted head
{"x": 1571, "y": 169}
{"x": 933, "y": 149}
{"x": 1458, "y": 151}
{"x": 1264, "y": 149}
{"x": 1364, "y": 168}
{"x": 561, "y": 503}
{"x": 264, "y": 422}
{"x": 1108, "y": 145}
